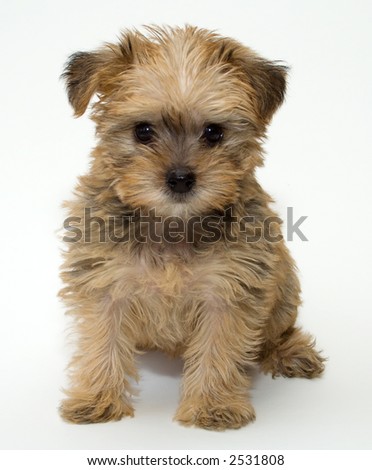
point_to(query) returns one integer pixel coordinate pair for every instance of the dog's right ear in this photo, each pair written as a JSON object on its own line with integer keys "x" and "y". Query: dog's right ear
{"x": 82, "y": 76}
{"x": 87, "y": 73}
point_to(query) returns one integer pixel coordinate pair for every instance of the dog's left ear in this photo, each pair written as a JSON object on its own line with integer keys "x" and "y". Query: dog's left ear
{"x": 267, "y": 79}
{"x": 269, "y": 82}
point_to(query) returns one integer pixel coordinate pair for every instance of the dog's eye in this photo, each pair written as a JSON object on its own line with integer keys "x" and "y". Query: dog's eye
{"x": 213, "y": 134}
{"x": 144, "y": 132}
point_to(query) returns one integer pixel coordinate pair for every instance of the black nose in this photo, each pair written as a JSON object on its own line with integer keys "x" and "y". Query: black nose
{"x": 180, "y": 180}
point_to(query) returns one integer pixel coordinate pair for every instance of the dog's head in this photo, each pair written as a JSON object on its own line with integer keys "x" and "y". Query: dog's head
{"x": 180, "y": 116}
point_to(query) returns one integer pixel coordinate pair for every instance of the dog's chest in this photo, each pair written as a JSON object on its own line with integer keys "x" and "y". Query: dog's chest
{"x": 170, "y": 280}
{"x": 170, "y": 285}
{"x": 159, "y": 297}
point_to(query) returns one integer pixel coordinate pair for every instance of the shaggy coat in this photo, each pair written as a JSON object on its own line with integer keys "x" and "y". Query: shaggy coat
{"x": 204, "y": 274}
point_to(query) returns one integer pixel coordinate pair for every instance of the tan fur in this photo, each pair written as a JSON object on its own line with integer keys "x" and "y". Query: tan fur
{"x": 223, "y": 306}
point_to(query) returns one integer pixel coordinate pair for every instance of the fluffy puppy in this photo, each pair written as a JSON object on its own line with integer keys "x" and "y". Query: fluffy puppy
{"x": 171, "y": 241}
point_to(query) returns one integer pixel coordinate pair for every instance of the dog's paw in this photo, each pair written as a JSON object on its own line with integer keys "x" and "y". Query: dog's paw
{"x": 84, "y": 411}
{"x": 295, "y": 356}
{"x": 215, "y": 417}
{"x": 308, "y": 366}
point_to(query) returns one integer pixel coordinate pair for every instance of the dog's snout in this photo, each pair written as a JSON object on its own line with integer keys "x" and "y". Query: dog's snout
{"x": 180, "y": 180}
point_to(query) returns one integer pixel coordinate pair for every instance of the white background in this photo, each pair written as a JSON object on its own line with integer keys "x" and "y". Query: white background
{"x": 318, "y": 161}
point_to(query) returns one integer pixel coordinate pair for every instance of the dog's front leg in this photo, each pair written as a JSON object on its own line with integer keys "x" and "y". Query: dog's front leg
{"x": 104, "y": 363}
{"x": 215, "y": 383}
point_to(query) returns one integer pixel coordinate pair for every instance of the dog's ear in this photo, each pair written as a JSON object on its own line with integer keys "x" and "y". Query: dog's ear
{"x": 266, "y": 79}
{"x": 87, "y": 73}
{"x": 82, "y": 76}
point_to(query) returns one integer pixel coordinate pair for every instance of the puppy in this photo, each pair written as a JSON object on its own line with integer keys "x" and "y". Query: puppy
{"x": 171, "y": 243}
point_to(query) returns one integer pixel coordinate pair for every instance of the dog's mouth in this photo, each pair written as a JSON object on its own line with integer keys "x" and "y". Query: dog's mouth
{"x": 181, "y": 198}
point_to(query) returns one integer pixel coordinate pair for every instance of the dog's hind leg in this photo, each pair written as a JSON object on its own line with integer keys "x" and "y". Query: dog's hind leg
{"x": 287, "y": 350}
